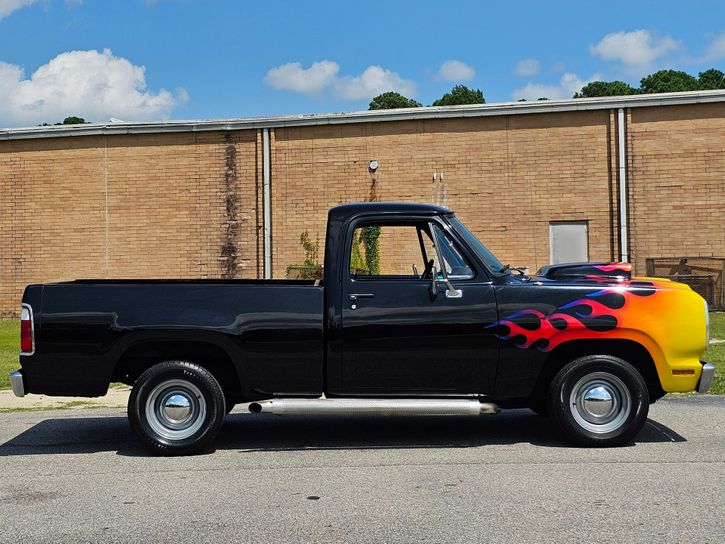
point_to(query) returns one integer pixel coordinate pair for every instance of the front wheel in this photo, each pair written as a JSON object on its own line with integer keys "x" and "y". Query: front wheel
{"x": 176, "y": 408}
{"x": 599, "y": 400}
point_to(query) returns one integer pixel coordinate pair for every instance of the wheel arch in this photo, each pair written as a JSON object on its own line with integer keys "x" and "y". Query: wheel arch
{"x": 629, "y": 350}
{"x": 145, "y": 352}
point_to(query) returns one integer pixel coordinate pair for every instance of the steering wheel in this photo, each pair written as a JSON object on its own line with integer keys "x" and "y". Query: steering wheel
{"x": 427, "y": 273}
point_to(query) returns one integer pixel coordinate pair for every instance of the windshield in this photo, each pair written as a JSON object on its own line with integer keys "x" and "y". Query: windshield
{"x": 491, "y": 262}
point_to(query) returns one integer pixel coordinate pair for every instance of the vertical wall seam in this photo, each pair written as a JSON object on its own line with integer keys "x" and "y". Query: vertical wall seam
{"x": 623, "y": 204}
{"x": 267, "y": 203}
{"x": 611, "y": 182}
{"x": 105, "y": 191}
{"x": 257, "y": 208}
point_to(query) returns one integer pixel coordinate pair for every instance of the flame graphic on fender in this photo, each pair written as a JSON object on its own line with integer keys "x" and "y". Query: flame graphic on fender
{"x": 591, "y": 316}
{"x": 622, "y": 268}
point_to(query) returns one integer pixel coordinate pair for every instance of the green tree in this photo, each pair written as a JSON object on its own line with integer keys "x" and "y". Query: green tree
{"x": 460, "y": 94}
{"x": 605, "y": 88}
{"x": 668, "y": 81}
{"x": 711, "y": 79}
{"x": 74, "y": 120}
{"x": 392, "y": 100}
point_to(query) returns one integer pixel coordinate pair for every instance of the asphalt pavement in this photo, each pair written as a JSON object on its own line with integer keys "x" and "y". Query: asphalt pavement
{"x": 81, "y": 476}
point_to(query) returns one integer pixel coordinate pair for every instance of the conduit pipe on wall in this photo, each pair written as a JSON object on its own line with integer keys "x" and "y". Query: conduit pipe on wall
{"x": 267, "y": 203}
{"x": 622, "y": 159}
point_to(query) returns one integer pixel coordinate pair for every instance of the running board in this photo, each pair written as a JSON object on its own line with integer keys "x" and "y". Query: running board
{"x": 373, "y": 407}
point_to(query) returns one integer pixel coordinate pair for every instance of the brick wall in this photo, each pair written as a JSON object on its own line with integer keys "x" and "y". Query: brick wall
{"x": 677, "y": 181}
{"x": 163, "y": 206}
{"x": 190, "y": 204}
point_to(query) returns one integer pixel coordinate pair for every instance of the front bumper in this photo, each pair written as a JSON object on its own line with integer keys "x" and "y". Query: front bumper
{"x": 708, "y": 373}
{"x": 17, "y": 383}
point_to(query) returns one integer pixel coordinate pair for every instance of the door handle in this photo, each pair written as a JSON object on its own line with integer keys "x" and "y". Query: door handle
{"x": 355, "y": 296}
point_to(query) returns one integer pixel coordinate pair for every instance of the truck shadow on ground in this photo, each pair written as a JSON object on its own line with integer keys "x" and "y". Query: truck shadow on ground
{"x": 262, "y": 432}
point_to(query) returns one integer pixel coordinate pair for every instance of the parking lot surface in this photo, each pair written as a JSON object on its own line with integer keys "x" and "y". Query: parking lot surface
{"x": 81, "y": 476}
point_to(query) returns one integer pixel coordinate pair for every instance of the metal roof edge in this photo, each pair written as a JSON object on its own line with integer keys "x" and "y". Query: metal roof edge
{"x": 408, "y": 114}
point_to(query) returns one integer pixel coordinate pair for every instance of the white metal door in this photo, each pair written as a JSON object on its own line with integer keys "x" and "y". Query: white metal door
{"x": 568, "y": 242}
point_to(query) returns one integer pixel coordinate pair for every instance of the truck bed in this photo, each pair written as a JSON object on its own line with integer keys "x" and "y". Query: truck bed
{"x": 270, "y": 331}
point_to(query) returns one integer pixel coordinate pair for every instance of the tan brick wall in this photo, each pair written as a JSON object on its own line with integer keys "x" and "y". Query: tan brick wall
{"x": 126, "y": 207}
{"x": 677, "y": 181}
{"x": 189, "y": 205}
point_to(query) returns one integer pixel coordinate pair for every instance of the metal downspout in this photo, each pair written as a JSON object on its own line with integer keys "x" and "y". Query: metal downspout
{"x": 267, "y": 203}
{"x": 622, "y": 159}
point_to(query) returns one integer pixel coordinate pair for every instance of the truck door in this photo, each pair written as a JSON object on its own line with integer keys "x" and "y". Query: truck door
{"x": 402, "y": 335}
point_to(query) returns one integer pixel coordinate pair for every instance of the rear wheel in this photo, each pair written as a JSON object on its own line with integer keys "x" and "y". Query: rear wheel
{"x": 599, "y": 400}
{"x": 176, "y": 408}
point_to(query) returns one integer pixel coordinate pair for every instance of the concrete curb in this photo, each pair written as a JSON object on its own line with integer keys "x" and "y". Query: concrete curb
{"x": 114, "y": 398}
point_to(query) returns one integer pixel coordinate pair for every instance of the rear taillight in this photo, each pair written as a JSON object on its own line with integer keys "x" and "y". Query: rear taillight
{"x": 27, "y": 340}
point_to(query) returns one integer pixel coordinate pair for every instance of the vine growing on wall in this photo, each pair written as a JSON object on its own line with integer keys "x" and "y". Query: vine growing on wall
{"x": 369, "y": 237}
{"x": 366, "y": 262}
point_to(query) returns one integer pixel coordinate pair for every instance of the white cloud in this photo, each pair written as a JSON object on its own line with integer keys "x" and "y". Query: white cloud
{"x": 90, "y": 84}
{"x": 716, "y": 48}
{"x": 372, "y": 82}
{"x": 527, "y": 67}
{"x": 322, "y": 76}
{"x": 456, "y": 71}
{"x": 8, "y": 6}
{"x": 311, "y": 81}
{"x": 635, "y": 50}
{"x": 568, "y": 85}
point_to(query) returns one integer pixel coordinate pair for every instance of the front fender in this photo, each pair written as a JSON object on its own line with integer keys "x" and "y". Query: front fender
{"x": 665, "y": 317}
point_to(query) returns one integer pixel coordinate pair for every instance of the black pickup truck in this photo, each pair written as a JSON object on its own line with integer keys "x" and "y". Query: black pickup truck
{"x": 414, "y": 316}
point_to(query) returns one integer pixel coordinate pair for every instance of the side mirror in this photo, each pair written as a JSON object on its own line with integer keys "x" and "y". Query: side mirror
{"x": 451, "y": 292}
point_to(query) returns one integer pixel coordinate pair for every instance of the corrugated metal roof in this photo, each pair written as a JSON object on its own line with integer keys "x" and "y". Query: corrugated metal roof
{"x": 377, "y": 116}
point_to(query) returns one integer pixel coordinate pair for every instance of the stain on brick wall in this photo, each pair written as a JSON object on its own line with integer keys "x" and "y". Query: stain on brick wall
{"x": 231, "y": 203}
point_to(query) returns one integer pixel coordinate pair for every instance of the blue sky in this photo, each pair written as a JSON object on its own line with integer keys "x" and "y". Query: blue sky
{"x": 188, "y": 59}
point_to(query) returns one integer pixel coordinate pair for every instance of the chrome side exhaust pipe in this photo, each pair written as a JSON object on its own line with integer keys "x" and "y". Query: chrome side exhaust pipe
{"x": 374, "y": 407}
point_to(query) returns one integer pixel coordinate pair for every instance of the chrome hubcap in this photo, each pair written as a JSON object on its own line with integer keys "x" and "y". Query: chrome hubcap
{"x": 600, "y": 402}
{"x": 175, "y": 409}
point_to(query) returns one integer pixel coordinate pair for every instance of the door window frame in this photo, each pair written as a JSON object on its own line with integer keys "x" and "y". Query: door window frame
{"x": 412, "y": 221}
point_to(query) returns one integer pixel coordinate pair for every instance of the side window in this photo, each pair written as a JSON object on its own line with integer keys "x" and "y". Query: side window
{"x": 400, "y": 251}
{"x": 455, "y": 264}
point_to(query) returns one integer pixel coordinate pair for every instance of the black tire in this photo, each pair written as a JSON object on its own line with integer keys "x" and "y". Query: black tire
{"x": 176, "y": 389}
{"x": 599, "y": 401}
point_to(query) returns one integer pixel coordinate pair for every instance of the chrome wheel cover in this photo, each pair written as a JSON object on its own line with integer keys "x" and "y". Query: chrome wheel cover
{"x": 175, "y": 409}
{"x": 600, "y": 402}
